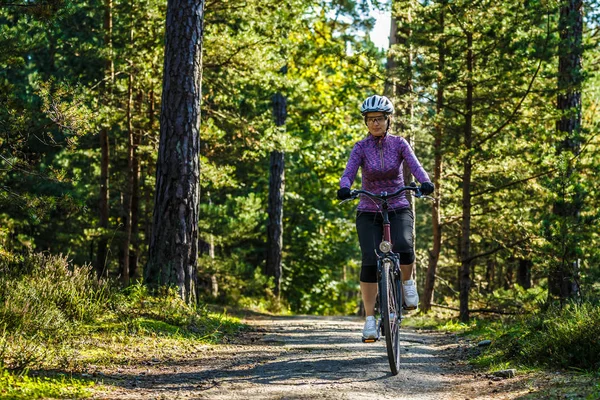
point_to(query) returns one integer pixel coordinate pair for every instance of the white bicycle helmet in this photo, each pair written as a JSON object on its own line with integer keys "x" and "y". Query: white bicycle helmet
{"x": 377, "y": 103}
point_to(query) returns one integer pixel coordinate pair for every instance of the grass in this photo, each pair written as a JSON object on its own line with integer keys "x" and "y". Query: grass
{"x": 22, "y": 386}
{"x": 557, "y": 349}
{"x": 566, "y": 338}
{"x": 563, "y": 386}
{"x": 57, "y": 317}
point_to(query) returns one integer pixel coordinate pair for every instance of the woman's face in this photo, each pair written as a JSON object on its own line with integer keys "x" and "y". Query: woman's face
{"x": 376, "y": 123}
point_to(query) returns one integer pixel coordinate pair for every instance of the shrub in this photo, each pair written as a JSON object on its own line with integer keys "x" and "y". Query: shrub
{"x": 45, "y": 295}
{"x": 565, "y": 338}
{"x": 43, "y": 301}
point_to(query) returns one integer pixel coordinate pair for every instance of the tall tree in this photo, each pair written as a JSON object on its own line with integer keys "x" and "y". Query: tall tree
{"x": 275, "y": 201}
{"x": 129, "y": 181}
{"x": 108, "y": 82}
{"x": 465, "y": 242}
{"x": 436, "y": 216}
{"x": 562, "y": 282}
{"x": 173, "y": 251}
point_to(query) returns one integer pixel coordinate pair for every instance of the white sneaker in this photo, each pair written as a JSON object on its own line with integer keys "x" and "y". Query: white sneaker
{"x": 411, "y": 297}
{"x": 370, "y": 329}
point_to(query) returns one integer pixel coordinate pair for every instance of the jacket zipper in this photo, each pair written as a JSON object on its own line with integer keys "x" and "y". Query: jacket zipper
{"x": 380, "y": 145}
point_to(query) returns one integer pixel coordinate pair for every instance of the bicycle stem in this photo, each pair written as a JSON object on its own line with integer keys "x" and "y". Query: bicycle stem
{"x": 387, "y": 236}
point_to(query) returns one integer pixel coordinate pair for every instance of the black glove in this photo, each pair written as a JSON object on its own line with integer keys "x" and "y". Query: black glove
{"x": 343, "y": 193}
{"x": 427, "y": 188}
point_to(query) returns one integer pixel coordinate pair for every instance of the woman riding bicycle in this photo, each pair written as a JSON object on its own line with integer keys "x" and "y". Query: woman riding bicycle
{"x": 380, "y": 156}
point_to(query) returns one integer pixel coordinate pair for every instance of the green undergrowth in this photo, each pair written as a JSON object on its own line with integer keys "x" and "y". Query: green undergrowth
{"x": 566, "y": 338}
{"x": 558, "y": 349}
{"x": 559, "y": 338}
{"x": 22, "y": 386}
{"x": 58, "y": 317}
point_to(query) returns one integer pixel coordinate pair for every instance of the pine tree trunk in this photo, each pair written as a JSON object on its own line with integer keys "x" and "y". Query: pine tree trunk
{"x": 524, "y": 273}
{"x": 436, "y": 216}
{"x": 275, "y": 206}
{"x": 135, "y": 196}
{"x": 128, "y": 188}
{"x": 465, "y": 247}
{"x": 173, "y": 252}
{"x": 508, "y": 275}
{"x": 490, "y": 270}
{"x": 399, "y": 86}
{"x": 562, "y": 279}
{"x": 404, "y": 90}
{"x": 102, "y": 256}
{"x": 149, "y": 170}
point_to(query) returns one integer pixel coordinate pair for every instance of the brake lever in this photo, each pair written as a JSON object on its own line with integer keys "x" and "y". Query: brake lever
{"x": 423, "y": 196}
{"x": 348, "y": 199}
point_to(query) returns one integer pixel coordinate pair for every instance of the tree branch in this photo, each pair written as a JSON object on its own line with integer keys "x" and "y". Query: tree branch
{"x": 495, "y": 250}
{"x": 511, "y": 117}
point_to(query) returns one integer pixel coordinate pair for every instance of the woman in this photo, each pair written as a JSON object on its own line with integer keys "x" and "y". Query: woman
{"x": 380, "y": 156}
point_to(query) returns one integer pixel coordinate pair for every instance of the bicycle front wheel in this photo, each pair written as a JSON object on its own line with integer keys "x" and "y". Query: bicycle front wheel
{"x": 391, "y": 313}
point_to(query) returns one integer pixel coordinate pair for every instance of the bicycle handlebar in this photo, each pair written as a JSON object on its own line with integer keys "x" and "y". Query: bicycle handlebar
{"x": 385, "y": 195}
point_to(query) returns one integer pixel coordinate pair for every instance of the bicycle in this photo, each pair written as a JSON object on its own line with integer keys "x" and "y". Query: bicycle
{"x": 389, "y": 278}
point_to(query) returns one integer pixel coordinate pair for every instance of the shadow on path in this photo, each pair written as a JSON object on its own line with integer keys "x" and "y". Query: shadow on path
{"x": 296, "y": 357}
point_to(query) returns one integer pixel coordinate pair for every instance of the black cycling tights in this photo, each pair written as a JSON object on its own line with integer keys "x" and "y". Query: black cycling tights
{"x": 370, "y": 231}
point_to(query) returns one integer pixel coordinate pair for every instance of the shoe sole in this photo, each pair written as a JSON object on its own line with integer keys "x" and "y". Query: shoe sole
{"x": 370, "y": 337}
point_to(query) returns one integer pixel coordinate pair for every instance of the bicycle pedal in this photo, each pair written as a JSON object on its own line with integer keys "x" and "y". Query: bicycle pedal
{"x": 370, "y": 340}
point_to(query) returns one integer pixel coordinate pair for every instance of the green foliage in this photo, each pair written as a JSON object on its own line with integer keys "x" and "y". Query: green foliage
{"x": 60, "y": 294}
{"x": 43, "y": 302}
{"x": 137, "y": 311}
{"x": 16, "y": 387}
{"x": 57, "y": 92}
{"x": 564, "y": 338}
{"x": 49, "y": 308}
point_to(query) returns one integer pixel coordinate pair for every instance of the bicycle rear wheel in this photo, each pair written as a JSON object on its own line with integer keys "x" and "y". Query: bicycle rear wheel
{"x": 391, "y": 312}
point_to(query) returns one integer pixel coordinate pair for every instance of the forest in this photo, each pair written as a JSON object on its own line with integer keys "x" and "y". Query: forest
{"x": 499, "y": 101}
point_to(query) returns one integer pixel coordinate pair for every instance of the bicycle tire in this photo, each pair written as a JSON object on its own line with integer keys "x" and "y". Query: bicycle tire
{"x": 391, "y": 313}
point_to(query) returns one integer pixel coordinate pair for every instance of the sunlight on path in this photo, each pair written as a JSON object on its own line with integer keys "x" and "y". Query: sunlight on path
{"x": 301, "y": 358}
{"x": 324, "y": 358}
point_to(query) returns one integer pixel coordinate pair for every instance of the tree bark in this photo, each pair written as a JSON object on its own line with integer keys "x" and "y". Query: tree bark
{"x": 490, "y": 270}
{"x": 173, "y": 252}
{"x": 465, "y": 245}
{"x": 401, "y": 87}
{"x": 508, "y": 275}
{"x": 128, "y": 192}
{"x": 562, "y": 280}
{"x": 102, "y": 256}
{"x": 524, "y": 273}
{"x": 135, "y": 196}
{"x": 275, "y": 207}
{"x": 436, "y": 216}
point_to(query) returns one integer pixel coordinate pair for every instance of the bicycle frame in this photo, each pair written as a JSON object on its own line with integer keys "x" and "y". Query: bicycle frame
{"x": 386, "y": 237}
{"x": 389, "y": 279}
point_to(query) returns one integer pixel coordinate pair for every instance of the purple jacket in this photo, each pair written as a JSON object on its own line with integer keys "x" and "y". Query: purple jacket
{"x": 381, "y": 162}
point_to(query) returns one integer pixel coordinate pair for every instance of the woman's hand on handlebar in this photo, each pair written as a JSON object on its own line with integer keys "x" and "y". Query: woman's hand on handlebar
{"x": 427, "y": 188}
{"x": 343, "y": 193}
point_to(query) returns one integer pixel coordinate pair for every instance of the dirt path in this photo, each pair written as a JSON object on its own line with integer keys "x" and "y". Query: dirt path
{"x": 313, "y": 358}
